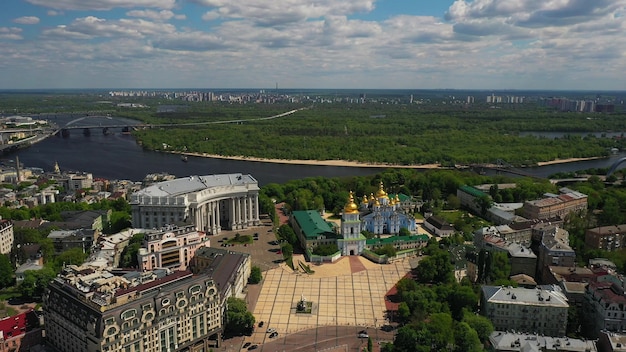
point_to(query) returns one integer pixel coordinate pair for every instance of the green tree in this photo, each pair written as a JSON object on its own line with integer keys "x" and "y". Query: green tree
{"x": 286, "y": 233}
{"x": 404, "y": 313}
{"x": 239, "y": 320}
{"x": 36, "y": 281}
{"x": 466, "y": 339}
{"x": 460, "y": 298}
{"x": 441, "y": 328}
{"x": 404, "y": 232}
{"x": 6, "y": 272}
{"x": 73, "y": 256}
{"x": 481, "y": 324}
{"x": 388, "y": 250}
{"x": 287, "y": 250}
{"x": 255, "y": 275}
{"x": 325, "y": 249}
{"x": 435, "y": 268}
{"x": 405, "y": 340}
{"x": 128, "y": 258}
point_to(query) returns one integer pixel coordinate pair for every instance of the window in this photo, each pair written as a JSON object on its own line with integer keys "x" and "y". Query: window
{"x": 128, "y": 314}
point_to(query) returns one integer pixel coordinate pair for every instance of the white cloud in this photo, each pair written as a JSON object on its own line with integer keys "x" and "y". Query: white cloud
{"x": 102, "y": 5}
{"x": 210, "y": 16}
{"x": 303, "y": 43}
{"x": 92, "y": 27}
{"x": 162, "y": 15}
{"x": 27, "y": 20}
{"x": 54, "y": 13}
{"x": 11, "y": 33}
{"x": 276, "y": 13}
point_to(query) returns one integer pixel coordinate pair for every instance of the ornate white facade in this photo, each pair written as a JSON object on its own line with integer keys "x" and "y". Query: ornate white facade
{"x": 211, "y": 203}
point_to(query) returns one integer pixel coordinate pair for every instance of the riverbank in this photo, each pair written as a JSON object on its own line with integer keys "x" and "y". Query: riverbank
{"x": 569, "y": 160}
{"x": 346, "y": 163}
{"x": 342, "y": 163}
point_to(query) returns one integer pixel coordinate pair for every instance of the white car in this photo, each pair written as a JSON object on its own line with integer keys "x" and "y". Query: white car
{"x": 363, "y": 336}
{"x": 271, "y": 330}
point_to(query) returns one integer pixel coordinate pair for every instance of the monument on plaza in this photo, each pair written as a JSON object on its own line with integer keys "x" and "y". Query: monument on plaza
{"x": 303, "y": 306}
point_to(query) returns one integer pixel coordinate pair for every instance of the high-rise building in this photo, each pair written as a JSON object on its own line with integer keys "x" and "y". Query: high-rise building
{"x": 87, "y": 310}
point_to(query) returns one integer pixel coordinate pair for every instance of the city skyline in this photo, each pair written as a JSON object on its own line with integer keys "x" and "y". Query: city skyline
{"x": 351, "y": 44}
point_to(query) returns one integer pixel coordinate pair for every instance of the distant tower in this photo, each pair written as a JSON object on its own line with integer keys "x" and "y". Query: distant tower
{"x": 411, "y": 100}
{"x": 57, "y": 170}
{"x": 18, "y": 171}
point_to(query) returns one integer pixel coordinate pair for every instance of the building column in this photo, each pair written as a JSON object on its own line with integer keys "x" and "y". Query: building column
{"x": 238, "y": 205}
{"x": 218, "y": 221}
{"x": 256, "y": 208}
{"x": 244, "y": 201}
{"x": 231, "y": 213}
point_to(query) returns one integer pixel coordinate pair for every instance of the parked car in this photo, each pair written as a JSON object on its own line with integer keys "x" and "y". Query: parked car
{"x": 363, "y": 336}
{"x": 253, "y": 347}
{"x": 261, "y": 324}
{"x": 247, "y": 344}
{"x": 274, "y": 334}
{"x": 271, "y": 330}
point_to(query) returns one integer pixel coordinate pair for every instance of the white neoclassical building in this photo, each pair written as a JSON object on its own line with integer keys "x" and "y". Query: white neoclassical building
{"x": 211, "y": 203}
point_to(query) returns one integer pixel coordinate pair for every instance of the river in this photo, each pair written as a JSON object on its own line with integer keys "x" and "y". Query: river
{"x": 118, "y": 156}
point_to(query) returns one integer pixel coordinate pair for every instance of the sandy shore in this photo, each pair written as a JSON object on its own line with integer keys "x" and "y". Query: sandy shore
{"x": 315, "y": 162}
{"x": 346, "y": 163}
{"x": 563, "y": 161}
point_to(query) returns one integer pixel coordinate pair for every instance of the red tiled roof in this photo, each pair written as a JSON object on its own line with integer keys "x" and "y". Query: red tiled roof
{"x": 14, "y": 326}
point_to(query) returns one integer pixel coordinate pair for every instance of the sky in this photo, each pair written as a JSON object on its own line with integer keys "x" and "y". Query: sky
{"x": 369, "y": 44}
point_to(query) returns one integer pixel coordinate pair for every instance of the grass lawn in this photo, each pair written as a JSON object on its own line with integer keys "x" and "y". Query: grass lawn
{"x": 241, "y": 239}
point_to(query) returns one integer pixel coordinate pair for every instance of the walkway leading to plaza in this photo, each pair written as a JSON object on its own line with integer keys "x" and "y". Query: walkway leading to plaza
{"x": 350, "y": 293}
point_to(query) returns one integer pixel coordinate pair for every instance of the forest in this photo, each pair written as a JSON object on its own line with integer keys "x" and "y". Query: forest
{"x": 385, "y": 131}
{"x": 387, "y": 134}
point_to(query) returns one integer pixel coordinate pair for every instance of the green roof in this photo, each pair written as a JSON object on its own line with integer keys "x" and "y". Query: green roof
{"x": 312, "y": 225}
{"x": 396, "y": 239}
{"x": 401, "y": 196}
{"x": 473, "y": 191}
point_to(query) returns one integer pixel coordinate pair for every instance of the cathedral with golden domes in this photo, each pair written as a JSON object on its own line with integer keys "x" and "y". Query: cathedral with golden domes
{"x": 382, "y": 214}
{"x": 379, "y": 214}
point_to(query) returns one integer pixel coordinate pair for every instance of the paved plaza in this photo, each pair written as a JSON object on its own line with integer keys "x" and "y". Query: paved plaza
{"x": 349, "y": 293}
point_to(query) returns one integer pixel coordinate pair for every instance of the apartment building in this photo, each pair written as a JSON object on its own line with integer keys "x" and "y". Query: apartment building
{"x": 532, "y": 310}
{"x": 555, "y": 205}
{"x": 608, "y": 238}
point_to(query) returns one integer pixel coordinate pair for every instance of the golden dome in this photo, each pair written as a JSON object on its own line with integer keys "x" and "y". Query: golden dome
{"x": 397, "y": 199}
{"x": 377, "y": 203}
{"x": 351, "y": 207}
{"x": 372, "y": 198}
{"x": 365, "y": 200}
{"x": 381, "y": 192}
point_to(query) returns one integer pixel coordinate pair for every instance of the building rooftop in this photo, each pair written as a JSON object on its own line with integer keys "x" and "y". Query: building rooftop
{"x": 313, "y": 226}
{"x": 515, "y": 341}
{"x": 181, "y": 186}
{"x": 473, "y": 191}
{"x": 396, "y": 239}
{"x": 526, "y": 296}
{"x": 223, "y": 266}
